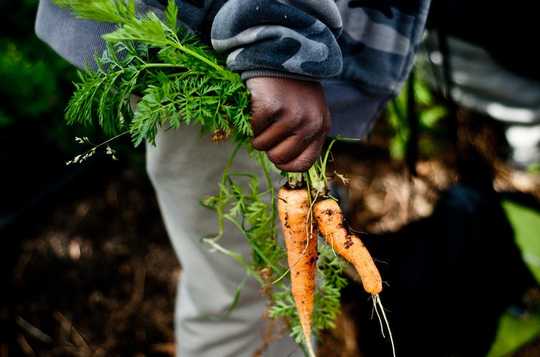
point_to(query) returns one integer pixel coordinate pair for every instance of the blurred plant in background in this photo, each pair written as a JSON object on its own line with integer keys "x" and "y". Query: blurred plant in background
{"x": 35, "y": 85}
{"x": 34, "y": 81}
{"x": 430, "y": 115}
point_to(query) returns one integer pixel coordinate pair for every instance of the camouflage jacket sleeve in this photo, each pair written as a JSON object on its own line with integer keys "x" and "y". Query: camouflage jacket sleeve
{"x": 279, "y": 37}
{"x": 376, "y": 39}
{"x": 379, "y": 41}
{"x": 368, "y": 42}
{"x": 259, "y": 37}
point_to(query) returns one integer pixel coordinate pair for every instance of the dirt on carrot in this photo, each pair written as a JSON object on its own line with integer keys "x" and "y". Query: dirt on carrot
{"x": 330, "y": 222}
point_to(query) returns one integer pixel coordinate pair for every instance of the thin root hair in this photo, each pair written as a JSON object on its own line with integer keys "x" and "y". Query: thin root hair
{"x": 377, "y": 304}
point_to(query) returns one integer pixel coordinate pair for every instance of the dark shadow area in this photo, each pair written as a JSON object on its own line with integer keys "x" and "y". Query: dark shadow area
{"x": 84, "y": 259}
{"x": 450, "y": 277}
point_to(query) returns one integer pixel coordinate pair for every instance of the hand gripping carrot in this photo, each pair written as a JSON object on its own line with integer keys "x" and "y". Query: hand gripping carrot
{"x": 301, "y": 244}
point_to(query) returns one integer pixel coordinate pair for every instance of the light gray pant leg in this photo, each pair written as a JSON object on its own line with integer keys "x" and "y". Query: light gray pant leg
{"x": 184, "y": 167}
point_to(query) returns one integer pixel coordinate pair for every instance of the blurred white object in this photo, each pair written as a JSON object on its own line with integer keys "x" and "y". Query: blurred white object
{"x": 481, "y": 84}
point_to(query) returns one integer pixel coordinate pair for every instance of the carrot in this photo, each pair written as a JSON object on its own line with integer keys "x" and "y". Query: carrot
{"x": 330, "y": 222}
{"x": 329, "y": 218}
{"x": 301, "y": 245}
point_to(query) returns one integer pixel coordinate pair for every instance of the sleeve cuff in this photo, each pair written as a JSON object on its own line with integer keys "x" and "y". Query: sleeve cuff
{"x": 275, "y": 74}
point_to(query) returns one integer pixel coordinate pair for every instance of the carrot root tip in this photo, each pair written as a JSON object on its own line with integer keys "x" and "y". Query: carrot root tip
{"x": 378, "y": 306}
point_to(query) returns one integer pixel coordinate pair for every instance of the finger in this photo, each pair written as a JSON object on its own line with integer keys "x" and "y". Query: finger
{"x": 288, "y": 149}
{"x": 276, "y": 133}
{"x": 263, "y": 115}
{"x": 327, "y": 122}
{"x": 265, "y": 108}
{"x": 306, "y": 159}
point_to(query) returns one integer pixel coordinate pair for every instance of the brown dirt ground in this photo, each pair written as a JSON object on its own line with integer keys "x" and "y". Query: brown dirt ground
{"x": 96, "y": 275}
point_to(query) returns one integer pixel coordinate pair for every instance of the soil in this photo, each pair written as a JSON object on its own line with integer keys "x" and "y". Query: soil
{"x": 92, "y": 273}
{"x": 94, "y": 276}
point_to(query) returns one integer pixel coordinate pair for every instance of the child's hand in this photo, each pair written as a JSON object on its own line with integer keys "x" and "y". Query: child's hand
{"x": 290, "y": 120}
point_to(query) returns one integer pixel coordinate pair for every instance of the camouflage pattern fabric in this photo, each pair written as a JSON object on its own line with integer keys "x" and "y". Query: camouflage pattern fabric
{"x": 369, "y": 42}
{"x": 379, "y": 41}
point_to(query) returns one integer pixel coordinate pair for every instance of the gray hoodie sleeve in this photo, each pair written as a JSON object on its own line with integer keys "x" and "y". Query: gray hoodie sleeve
{"x": 76, "y": 40}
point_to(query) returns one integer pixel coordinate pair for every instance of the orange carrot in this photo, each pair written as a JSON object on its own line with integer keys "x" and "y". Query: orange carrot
{"x": 330, "y": 222}
{"x": 329, "y": 218}
{"x": 301, "y": 244}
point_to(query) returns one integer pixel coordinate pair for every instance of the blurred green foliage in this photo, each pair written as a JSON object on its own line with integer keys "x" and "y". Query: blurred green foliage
{"x": 526, "y": 224}
{"x": 35, "y": 87}
{"x": 35, "y": 81}
{"x": 430, "y": 115}
{"x": 515, "y": 331}
{"x": 31, "y": 88}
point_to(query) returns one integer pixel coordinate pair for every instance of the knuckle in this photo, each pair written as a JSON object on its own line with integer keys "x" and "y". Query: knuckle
{"x": 299, "y": 165}
{"x": 257, "y": 144}
{"x": 293, "y": 118}
{"x": 304, "y": 164}
{"x": 311, "y": 134}
{"x": 314, "y": 127}
{"x": 316, "y": 124}
{"x": 277, "y": 159}
{"x": 264, "y": 108}
{"x": 327, "y": 122}
{"x": 325, "y": 128}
